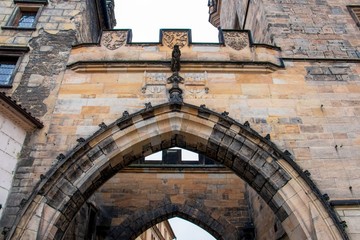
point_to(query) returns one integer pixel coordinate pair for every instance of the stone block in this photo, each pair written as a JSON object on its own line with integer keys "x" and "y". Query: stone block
{"x": 69, "y": 210}
{"x": 66, "y": 185}
{"x": 217, "y": 134}
{"x": 250, "y": 174}
{"x": 73, "y": 175}
{"x": 279, "y": 178}
{"x": 108, "y": 145}
{"x": 247, "y": 150}
{"x": 236, "y": 145}
{"x": 239, "y": 165}
{"x": 55, "y": 198}
{"x": 94, "y": 153}
{"x": 268, "y": 169}
{"x": 35, "y": 80}
{"x": 221, "y": 153}
{"x": 258, "y": 182}
{"x": 212, "y": 149}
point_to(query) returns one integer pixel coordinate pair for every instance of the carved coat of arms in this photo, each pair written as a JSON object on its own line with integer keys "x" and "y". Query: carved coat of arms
{"x": 114, "y": 39}
{"x": 172, "y": 38}
{"x": 236, "y": 40}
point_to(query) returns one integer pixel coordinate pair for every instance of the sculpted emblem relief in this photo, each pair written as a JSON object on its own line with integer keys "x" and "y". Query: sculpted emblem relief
{"x": 173, "y": 38}
{"x": 114, "y": 39}
{"x": 154, "y": 84}
{"x": 236, "y": 40}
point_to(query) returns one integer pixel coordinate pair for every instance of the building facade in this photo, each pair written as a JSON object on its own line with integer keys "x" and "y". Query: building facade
{"x": 15, "y": 124}
{"x": 160, "y": 231}
{"x": 272, "y": 109}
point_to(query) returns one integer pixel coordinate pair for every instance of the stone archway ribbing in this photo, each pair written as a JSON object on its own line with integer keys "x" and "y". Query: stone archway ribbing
{"x": 278, "y": 180}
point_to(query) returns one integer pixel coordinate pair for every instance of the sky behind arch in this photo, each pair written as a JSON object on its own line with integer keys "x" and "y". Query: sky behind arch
{"x": 147, "y": 17}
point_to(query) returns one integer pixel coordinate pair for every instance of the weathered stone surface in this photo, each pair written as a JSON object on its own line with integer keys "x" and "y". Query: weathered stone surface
{"x": 307, "y": 102}
{"x": 138, "y": 213}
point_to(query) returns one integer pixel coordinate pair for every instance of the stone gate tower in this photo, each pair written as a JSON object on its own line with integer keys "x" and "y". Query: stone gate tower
{"x": 254, "y": 137}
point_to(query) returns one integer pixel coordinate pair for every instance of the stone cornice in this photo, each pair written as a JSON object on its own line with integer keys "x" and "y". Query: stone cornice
{"x": 235, "y": 51}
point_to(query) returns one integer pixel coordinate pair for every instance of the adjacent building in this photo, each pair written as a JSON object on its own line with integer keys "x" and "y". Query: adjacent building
{"x": 160, "y": 231}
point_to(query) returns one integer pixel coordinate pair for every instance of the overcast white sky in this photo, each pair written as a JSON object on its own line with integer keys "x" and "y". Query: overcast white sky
{"x": 185, "y": 230}
{"x": 146, "y": 18}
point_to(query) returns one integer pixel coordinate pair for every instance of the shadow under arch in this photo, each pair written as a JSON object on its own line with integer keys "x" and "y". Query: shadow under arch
{"x": 291, "y": 195}
{"x": 143, "y": 219}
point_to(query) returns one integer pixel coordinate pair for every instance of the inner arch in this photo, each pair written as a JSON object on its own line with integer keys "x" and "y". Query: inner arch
{"x": 203, "y": 219}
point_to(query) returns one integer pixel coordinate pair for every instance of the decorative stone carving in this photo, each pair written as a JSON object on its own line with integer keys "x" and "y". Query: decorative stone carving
{"x": 236, "y": 40}
{"x": 114, "y": 39}
{"x": 148, "y": 106}
{"x": 155, "y": 78}
{"x": 196, "y": 84}
{"x": 154, "y": 89}
{"x": 175, "y": 91}
{"x": 81, "y": 140}
{"x": 60, "y": 157}
{"x": 154, "y": 83}
{"x": 172, "y": 38}
{"x": 175, "y": 77}
{"x": 102, "y": 125}
{"x": 195, "y": 79}
{"x": 196, "y": 92}
{"x": 125, "y": 114}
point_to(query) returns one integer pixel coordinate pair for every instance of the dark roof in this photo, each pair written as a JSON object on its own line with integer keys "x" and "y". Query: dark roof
{"x": 17, "y": 107}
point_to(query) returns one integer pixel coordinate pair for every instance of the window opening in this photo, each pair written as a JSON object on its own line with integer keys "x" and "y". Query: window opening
{"x": 7, "y": 70}
{"x": 176, "y": 156}
{"x": 355, "y": 13}
{"x": 24, "y": 17}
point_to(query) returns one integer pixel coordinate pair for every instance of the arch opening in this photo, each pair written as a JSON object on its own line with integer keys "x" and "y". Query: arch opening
{"x": 181, "y": 225}
{"x": 198, "y": 217}
{"x": 253, "y": 158}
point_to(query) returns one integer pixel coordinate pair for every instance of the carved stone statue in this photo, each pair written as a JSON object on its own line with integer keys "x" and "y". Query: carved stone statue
{"x": 175, "y": 91}
{"x": 175, "y": 60}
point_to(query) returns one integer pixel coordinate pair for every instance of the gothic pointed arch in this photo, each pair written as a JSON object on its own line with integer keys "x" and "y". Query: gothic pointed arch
{"x": 288, "y": 191}
{"x": 145, "y": 218}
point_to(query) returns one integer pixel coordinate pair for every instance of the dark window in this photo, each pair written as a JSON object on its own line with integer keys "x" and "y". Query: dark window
{"x": 24, "y": 17}
{"x": 172, "y": 156}
{"x": 91, "y": 227}
{"x": 355, "y": 13}
{"x": 7, "y": 70}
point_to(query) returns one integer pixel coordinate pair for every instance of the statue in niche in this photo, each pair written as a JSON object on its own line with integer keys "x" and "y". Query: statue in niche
{"x": 175, "y": 60}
